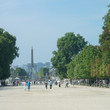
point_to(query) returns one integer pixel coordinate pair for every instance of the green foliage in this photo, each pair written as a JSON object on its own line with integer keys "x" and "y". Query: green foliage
{"x": 105, "y": 36}
{"x": 108, "y": 70}
{"x": 105, "y": 47}
{"x": 68, "y": 46}
{"x": 91, "y": 62}
{"x": 8, "y": 52}
{"x": 21, "y": 73}
{"x": 100, "y": 66}
{"x": 80, "y": 66}
{"x": 1, "y": 31}
{"x": 43, "y": 72}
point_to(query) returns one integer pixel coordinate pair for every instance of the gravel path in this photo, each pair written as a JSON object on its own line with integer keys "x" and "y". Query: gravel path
{"x": 72, "y": 98}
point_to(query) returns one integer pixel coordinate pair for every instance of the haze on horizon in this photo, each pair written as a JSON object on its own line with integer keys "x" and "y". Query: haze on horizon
{"x": 39, "y": 24}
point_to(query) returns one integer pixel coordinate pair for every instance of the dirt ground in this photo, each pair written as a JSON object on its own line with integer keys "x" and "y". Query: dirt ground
{"x": 72, "y": 98}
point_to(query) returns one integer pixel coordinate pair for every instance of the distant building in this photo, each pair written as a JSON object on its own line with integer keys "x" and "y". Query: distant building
{"x": 36, "y": 66}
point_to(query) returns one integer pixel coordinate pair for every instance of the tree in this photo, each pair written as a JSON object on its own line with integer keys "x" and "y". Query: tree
{"x": 68, "y": 46}
{"x": 21, "y": 73}
{"x": 80, "y": 66}
{"x": 93, "y": 61}
{"x": 8, "y": 52}
{"x": 104, "y": 40}
{"x": 105, "y": 36}
{"x": 43, "y": 72}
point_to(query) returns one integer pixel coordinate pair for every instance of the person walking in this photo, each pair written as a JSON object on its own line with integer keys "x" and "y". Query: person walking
{"x": 50, "y": 84}
{"x": 66, "y": 85}
{"x": 46, "y": 85}
{"x": 34, "y": 82}
{"x": 28, "y": 84}
{"x": 59, "y": 84}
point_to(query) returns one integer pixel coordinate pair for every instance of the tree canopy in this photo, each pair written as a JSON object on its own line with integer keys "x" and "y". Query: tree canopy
{"x": 93, "y": 61}
{"x": 80, "y": 66}
{"x": 21, "y": 73}
{"x": 68, "y": 46}
{"x": 104, "y": 40}
{"x": 43, "y": 72}
{"x": 8, "y": 52}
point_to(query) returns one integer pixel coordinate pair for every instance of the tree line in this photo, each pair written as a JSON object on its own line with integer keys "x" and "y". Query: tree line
{"x": 43, "y": 73}
{"x": 76, "y": 59}
{"x": 19, "y": 72}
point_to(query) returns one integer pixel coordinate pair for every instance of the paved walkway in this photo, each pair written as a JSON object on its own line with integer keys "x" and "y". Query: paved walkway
{"x": 72, "y": 98}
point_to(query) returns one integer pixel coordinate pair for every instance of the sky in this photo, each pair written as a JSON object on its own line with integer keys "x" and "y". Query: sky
{"x": 40, "y": 23}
